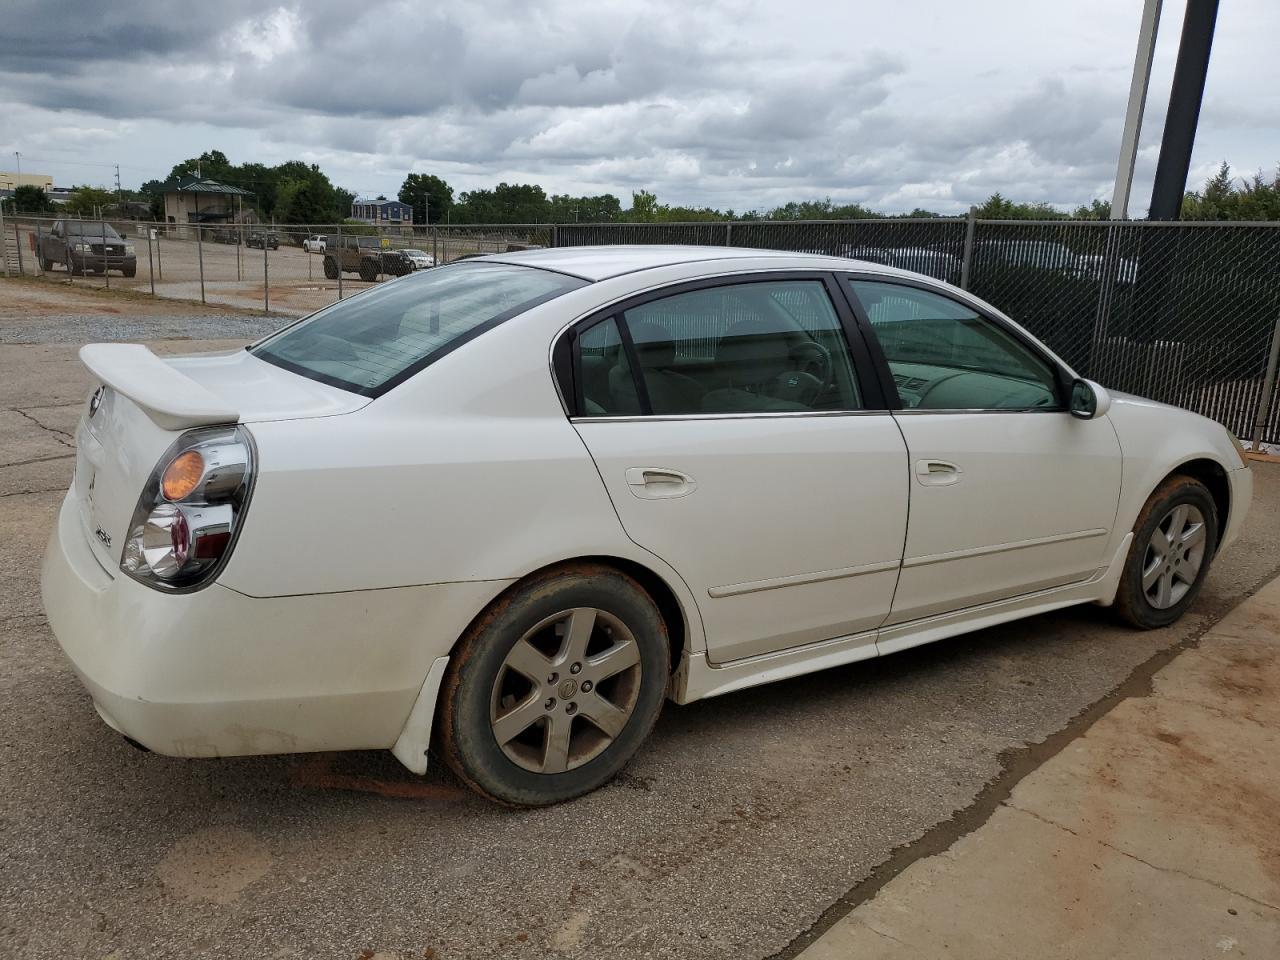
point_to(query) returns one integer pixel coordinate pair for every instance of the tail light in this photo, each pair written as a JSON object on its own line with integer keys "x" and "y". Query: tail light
{"x": 191, "y": 509}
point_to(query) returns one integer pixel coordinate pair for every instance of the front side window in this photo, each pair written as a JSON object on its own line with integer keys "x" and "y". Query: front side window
{"x": 945, "y": 356}
{"x": 373, "y": 341}
{"x": 761, "y": 347}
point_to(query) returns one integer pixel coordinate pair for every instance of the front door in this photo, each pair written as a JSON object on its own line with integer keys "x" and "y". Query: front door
{"x": 1010, "y": 494}
{"x": 745, "y": 456}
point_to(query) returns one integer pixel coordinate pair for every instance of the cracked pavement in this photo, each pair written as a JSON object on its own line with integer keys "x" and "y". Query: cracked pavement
{"x": 735, "y": 831}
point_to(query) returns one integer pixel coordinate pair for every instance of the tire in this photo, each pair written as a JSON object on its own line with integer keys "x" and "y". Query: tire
{"x": 368, "y": 271}
{"x": 130, "y": 271}
{"x": 1184, "y": 507}
{"x": 45, "y": 264}
{"x": 586, "y": 614}
{"x": 330, "y": 268}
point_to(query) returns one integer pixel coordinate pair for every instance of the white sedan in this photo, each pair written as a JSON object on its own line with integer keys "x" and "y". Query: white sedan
{"x": 509, "y": 505}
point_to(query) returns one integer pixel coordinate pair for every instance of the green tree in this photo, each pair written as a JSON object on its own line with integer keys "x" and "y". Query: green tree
{"x": 430, "y": 197}
{"x": 1223, "y": 199}
{"x": 31, "y": 199}
{"x": 1094, "y": 210}
{"x": 505, "y": 203}
{"x": 309, "y": 198}
{"x": 644, "y": 207}
{"x": 997, "y": 207}
{"x": 89, "y": 201}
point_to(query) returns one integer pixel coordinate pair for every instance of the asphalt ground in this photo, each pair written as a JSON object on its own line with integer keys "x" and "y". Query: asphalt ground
{"x": 732, "y": 834}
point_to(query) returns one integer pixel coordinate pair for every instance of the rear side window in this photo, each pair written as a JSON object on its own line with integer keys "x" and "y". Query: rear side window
{"x": 760, "y": 347}
{"x": 377, "y": 339}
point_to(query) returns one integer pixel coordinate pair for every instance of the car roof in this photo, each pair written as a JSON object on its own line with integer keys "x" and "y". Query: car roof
{"x": 603, "y": 262}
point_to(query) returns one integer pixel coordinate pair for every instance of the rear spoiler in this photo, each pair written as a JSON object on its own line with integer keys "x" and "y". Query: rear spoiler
{"x": 173, "y": 400}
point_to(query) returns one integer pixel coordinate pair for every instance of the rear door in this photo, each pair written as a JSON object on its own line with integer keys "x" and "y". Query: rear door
{"x": 1010, "y": 494}
{"x": 742, "y": 440}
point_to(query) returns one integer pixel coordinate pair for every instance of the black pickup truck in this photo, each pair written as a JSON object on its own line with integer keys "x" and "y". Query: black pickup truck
{"x": 87, "y": 246}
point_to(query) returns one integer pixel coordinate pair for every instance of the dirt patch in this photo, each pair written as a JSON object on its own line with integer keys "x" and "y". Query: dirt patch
{"x": 215, "y": 864}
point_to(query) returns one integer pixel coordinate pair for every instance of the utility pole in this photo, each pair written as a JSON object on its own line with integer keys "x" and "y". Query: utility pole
{"x": 1137, "y": 105}
{"x": 1184, "y": 109}
{"x": 119, "y": 194}
{"x": 18, "y": 157}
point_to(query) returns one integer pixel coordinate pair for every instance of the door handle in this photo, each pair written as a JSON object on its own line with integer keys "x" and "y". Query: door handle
{"x": 659, "y": 483}
{"x": 937, "y": 473}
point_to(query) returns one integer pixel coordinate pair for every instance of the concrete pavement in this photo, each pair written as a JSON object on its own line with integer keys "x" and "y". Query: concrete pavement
{"x": 1155, "y": 834}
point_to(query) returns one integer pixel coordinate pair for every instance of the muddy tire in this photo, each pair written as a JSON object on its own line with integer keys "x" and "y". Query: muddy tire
{"x": 368, "y": 271}
{"x": 1174, "y": 540}
{"x": 330, "y": 268}
{"x": 554, "y": 687}
{"x": 130, "y": 271}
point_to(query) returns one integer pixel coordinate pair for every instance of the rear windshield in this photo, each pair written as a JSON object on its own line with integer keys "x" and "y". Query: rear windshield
{"x": 86, "y": 228}
{"x": 377, "y": 339}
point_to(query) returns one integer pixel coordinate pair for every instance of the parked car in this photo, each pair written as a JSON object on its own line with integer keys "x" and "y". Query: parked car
{"x": 259, "y": 238}
{"x": 418, "y": 259}
{"x": 935, "y": 263}
{"x": 316, "y": 243}
{"x": 1039, "y": 254}
{"x": 512, "y": 503}
{"x": 225, "y": 235}
{"x": 364, "y": 256}
{"x": 87, "y": 246}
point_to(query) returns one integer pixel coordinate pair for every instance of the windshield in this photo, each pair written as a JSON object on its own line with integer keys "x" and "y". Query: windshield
{"x": 375, "y": 340}
{"x": 85, "y": 228}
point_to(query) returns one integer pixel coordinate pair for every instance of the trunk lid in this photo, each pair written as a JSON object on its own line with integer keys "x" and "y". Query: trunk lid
{"x": 142, "y": 403}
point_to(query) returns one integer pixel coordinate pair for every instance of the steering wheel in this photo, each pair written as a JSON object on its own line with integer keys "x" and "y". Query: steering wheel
{"x": 812, "y": 362}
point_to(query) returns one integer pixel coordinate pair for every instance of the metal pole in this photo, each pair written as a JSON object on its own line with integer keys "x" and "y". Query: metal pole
{"x": 435, "y": 247}
{"x": 159, "y": 264}
{"x": 39, "y": 248}
{"x": 728, "y": 233}
{"x": 966, "y": 264}
{"x": 1137, "y": 105}
{"x": 151, "y": 267}
{"x": 266, "y": 296}
{"x": 1184, "y": 109}
{"x": 17, "y": 241}
{"x": 1268, "y": 385}
{"x": 4, "y": 252}
{"x": 106, "y": 261}
{"x": 338, "y": 260}
{"x": 200, "y": 255}
{"x": 239, "y": 268}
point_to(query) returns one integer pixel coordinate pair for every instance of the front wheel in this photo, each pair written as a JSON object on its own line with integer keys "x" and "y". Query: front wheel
{"x": 553, "y": 689}
{"x": 1174, "y": 540}
{"x": 330, "y": 268}
{"x": 368, "y": 271}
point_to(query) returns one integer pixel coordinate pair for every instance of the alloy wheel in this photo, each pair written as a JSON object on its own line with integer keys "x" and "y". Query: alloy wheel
{"x": 566, "y": 690}
{"x": 1175, "y": 554}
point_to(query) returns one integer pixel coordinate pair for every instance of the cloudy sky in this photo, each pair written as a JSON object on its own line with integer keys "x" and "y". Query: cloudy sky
{"x": 729, "y": 103}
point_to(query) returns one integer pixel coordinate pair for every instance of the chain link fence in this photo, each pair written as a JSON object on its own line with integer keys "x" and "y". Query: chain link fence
{"x": 1185, "y": 313}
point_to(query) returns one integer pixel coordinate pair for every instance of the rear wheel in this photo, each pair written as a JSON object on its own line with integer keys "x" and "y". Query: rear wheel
{"x": 555, "y": 686}
{"x": 131, "y": 271}
{"x": 330, "y": 268}
{"x": 368, "y": 271}
{"x": 1174, "y": 540}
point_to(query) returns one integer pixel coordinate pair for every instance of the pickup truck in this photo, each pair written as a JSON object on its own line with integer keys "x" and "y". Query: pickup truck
{"x": 86, "y": 246}
{"x": 364, "y": 256}
{"x": 316, "y": 243}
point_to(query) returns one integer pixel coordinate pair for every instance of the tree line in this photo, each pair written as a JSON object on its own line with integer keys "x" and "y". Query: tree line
{"x": 296, "y": 192}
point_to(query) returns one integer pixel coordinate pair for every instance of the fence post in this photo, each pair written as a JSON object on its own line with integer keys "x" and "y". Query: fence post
{"x": 338, "y": 260}
{"x": 151, "y": 267}
{"x": 435, "y": 246}
{"x": 266, "y": 296}
{"x": 728, "y": 233}
{"x": 200, "y": 256}
{"x": 39, "y": 248}
{"x": 555, "y": 235}
{"x": 159, "y": 263}
{"x": 106, "y": 261}
{"x": 970, "y": 228}
{"x": 17, "y": 242}
{"x": 1268, "y": 386}
{"x": 4, "y": 243}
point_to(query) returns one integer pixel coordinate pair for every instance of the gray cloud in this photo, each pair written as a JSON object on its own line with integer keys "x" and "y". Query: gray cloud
{"x": 730, "y": 102}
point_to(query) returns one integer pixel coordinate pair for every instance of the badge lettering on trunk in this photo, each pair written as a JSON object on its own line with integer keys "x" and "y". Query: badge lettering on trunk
{"x": 103, "y": 536}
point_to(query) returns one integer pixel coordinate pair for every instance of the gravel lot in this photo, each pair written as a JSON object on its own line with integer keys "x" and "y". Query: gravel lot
{"x": 744, "y": 820}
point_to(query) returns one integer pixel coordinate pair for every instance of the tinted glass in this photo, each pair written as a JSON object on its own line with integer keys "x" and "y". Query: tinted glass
{"x": 370, "y": 342}
{"x": 767, "y": 347}
{"x": 87, "y": 228}
{"x": 944, "y": 356}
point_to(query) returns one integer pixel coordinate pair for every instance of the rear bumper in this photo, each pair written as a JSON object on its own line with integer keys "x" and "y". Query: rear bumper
{"x": 216, "y": 673}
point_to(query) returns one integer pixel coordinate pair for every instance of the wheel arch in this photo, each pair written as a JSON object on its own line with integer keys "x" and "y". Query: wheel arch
{"x": 1214, "y": 477}
{"x": 674, "y": 616}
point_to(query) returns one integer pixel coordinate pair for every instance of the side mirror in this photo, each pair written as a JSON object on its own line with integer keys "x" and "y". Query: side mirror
{"x": 1089, "y": 400}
